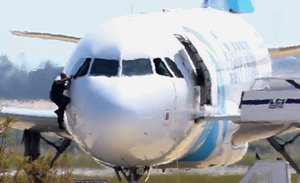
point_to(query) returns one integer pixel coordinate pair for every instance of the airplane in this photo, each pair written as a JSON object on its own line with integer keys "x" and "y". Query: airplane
{"x": 173, "y": 89}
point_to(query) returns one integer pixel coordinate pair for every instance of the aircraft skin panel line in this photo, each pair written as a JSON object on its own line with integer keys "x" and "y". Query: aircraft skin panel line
{"x": 138, "y": 84}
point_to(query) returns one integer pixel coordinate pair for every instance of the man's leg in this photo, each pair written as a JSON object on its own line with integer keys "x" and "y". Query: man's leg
{"x": 62, "y": 106}
{"x": 58, "y": 103}
{"x": 60, "y": 117}
{"x": 59, "y": 112}
{"x": 64, "y": 101}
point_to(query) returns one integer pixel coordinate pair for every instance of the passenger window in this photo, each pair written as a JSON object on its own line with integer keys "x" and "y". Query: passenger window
{"x": 83, "y": 70}
{"x": 161, "y": 68}
{"x": 136, "y": 67}
{"x": 103, "y": 67}
{"x": 174, "y": 67}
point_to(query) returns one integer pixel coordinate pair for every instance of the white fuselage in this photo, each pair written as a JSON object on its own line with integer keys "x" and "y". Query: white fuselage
{"x": 148, "y": 119}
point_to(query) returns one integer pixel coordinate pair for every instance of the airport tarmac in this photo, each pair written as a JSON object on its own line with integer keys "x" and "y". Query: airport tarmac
{"x": 218, "y": 171}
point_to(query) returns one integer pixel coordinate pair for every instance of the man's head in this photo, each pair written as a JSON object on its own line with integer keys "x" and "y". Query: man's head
{"x": 63, "y": 75}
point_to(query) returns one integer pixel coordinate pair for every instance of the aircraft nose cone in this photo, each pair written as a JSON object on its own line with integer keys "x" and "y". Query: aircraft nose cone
{"x": 112, "y": 122}
{"x": 108, "y": 109}
{"x": 124, "y": 121}
{"x": 118, "y": 104}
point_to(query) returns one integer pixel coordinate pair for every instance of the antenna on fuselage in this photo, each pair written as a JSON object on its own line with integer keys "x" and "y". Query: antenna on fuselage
{"x": 132, "y": 6}
{"x": 205, "y": 3}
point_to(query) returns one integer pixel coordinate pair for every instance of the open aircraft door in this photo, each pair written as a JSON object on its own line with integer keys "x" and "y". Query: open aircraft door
{"x": 201, "y": 75}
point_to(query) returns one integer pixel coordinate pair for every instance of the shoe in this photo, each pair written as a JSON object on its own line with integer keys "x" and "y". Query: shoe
{"x": 61, "y": 127}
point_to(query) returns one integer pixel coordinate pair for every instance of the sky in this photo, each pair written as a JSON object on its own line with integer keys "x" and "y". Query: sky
{"x": 276, "y": 20}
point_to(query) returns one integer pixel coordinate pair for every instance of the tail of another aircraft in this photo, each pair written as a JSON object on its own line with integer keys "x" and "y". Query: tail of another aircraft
{"x": 233, "y": 6}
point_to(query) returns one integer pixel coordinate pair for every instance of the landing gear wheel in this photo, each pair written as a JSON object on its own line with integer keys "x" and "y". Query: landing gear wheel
{"x": 132, "y": 174}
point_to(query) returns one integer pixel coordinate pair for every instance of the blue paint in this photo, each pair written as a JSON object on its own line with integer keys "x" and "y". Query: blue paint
{"x": 269, "y": 101}
{"x": 235, "y": 6}
{"x": 201, "y": 139}
{"x": 294, "y": 83}
{"x": 199, "y": 37}
{"x": 210, "y": 137}
{"x": 225, "y": 129}
{"x": 256, "y": 102}
{"x": 240, "y": 6}
{"x": 292, "y": 101}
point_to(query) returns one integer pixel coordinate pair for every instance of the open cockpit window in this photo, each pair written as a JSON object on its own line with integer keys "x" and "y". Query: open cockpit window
{"x": 161, "y": 68}
{"x": 84, "y": 68}
{"x": 174, "y": 67}
{"x": 136, "y": 67}
{"x": 104, "y": 67}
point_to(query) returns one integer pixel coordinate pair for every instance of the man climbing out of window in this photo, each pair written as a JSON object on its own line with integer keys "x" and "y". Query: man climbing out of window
{"x": 61, "y": 83}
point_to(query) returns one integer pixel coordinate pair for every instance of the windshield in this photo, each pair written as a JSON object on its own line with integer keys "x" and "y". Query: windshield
{"x": 161, "y": 68}
{"x": 83, "y": 70}
{"x": 136, "y": 67}
{"x": 174, "y": 67}
{"x": 103, "y": 67}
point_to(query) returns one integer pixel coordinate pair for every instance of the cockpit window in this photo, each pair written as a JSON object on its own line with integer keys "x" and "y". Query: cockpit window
{"x": 82, "y": 71}
{"x": 174, "y": 67}
{"x": 103, "y": 67}
{"x": 136, "y": 67}
{"x": 161, "y": 68}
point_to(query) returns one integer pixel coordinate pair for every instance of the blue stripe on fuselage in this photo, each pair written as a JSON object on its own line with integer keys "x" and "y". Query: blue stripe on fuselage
{"x": 269, "y": 101}
{"x": 225, "y": 129}
{"x": 294, "y": 83}
{"x": 205, "y": 144}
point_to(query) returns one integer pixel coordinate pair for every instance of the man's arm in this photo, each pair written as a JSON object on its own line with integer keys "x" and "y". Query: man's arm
{"x": 62, "y": 81}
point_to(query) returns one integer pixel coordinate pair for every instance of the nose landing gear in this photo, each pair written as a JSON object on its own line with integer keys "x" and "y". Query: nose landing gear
{"x": 132, "y": 174}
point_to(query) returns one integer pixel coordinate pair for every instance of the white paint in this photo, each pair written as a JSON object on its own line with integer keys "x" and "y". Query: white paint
{"x": 121, "y": 120}
{"x": 281, "y": 106}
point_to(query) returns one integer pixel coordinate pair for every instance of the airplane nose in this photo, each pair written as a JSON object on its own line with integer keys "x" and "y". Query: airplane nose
{"x": 118, "y": 107}
{"x": 112, "y": 120}
{"x": 113, "y": 109}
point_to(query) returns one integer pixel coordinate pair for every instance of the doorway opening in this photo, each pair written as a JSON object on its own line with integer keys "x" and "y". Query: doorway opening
{"x": 203, "y": 79}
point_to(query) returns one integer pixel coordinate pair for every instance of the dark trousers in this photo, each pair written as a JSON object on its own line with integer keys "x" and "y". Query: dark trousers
{"x": 61, "y": 101}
